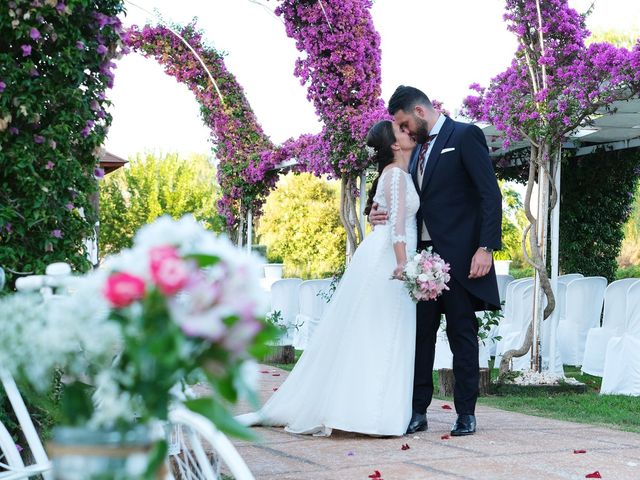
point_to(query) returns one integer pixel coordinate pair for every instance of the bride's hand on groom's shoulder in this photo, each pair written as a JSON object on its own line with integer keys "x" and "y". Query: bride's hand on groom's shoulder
{"x": 377, "y": 217}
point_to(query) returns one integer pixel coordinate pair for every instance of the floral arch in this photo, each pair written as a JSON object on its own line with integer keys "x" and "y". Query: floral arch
{"x": 341, "y": 69}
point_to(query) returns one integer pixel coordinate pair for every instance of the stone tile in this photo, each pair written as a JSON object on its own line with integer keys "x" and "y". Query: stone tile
{"x": 507, "y": 446}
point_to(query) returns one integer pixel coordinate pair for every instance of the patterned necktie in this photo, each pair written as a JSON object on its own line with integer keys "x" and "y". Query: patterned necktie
{"x": 422, "y": 155}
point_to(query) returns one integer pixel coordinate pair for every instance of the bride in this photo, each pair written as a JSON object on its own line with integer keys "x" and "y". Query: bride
{"x": 357, "y": 373}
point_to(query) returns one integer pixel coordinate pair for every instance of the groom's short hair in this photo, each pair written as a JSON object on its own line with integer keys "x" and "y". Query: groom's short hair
{"x": 405, "y": 98}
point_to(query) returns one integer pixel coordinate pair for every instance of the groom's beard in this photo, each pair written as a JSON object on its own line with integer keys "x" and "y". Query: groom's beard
{"x": 422, "y": 132}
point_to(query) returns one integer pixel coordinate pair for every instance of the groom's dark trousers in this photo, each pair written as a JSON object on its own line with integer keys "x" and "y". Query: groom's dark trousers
{"x": 462, "y": 330}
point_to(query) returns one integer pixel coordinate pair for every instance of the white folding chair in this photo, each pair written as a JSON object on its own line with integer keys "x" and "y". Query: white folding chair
{"x": 569, "y": 277}
{"x": 193, "y": 440}
{"x": 621, "y": 374}
{"x": 285, "y": 299}
{"x": 512, "y": 329}
{"x": 312, "y": 307}
{"x": 583, "y": 306}
{"x": 613, "y": 323}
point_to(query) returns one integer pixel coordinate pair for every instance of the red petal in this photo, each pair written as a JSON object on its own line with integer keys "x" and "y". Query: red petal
{"x": 275, "y": 388}
{"x": 579, "y": 451}
{"x": 264, "y": 371}
{"x": 445, "y": 437}
{"x": 405, "y": 446}
{"x": 446, "y": 407}
{"x": 595, "y": 474}
{"x": 376, "y": 474}
{"x": 275, "y": 374}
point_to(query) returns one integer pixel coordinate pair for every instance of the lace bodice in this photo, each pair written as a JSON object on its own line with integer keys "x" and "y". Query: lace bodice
{"x": 397, "y": 195}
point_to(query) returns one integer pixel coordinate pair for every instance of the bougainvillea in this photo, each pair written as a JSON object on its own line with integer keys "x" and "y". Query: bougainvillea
{"x": 244, "y": 177}
{"x": 341, "y": 69}
{"x": 553, "y": 86}
{"x": 55, "y": 65}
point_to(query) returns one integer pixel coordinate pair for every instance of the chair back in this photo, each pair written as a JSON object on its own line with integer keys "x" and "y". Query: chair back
{"x": 569, "y": 277}
{"x": 632, "y": 320}
{"x": 311, "y": 303}
{"x": 503, "y": 282}
{"x": 615, "y": 304}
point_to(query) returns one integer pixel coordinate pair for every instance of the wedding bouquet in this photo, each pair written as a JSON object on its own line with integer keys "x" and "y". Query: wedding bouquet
{"x": 426, "y": 276}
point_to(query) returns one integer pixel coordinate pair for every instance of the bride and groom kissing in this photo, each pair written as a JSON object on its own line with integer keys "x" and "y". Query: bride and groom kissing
{"x": 368, "y": 367}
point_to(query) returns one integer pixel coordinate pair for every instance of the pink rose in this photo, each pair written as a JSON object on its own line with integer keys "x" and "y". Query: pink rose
{"x": 169, "y": 272}
{"x": 122, "y": 289}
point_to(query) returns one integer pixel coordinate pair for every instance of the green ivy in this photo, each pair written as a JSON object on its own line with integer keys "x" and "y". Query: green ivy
{"x": 55, "y": 65}
{"x": 596, "y": 197}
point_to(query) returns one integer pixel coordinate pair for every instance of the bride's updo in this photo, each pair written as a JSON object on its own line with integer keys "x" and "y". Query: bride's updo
{"x": 380, "y": 138}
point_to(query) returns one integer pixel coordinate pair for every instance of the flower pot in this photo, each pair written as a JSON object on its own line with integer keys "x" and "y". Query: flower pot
{"x": 273, "y": 270}
{"x": 81, "y": 453}
{"x": 502, "y": 267}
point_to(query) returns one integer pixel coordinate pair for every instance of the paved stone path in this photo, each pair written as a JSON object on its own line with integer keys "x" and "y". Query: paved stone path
{"x": 506, "y": 446}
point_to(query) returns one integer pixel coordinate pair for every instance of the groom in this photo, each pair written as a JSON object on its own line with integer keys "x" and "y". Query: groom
{"x": 460, "y": 216}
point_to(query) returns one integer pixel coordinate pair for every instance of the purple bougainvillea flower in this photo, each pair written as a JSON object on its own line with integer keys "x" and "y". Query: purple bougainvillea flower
{"x": 102, "y": 49}
{"x": 2, "y": 86}
{"x": 98, "y": 172}
{"x": 14, "y": 131}
{"x": 80, "y": 45}
{"x": 26, "y": 50}
{"x": 39, "y": 139}
{"x": 56, "y": 233}
{"x": 49, "y": 165}
{"x": 69, "y": 206}
{"x": 34, "y": 34}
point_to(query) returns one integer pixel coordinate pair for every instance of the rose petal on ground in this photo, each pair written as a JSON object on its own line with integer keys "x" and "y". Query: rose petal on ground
{"x": 264, "y": 371}
{"x": 275, "y": 374}
{"x": 405, "y": 446}
{"x": 376, "y": 474}
{"x": 579, "y": 451}
{"x": 275, "y": 388}
{"x": 595, "y": 474}
{"x": 350, "y": 454}
{"x": 445, "y": 437}
{"x": 446, "y": 407}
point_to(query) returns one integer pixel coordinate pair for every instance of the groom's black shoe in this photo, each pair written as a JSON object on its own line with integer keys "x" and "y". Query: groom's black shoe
{"x": 418, "y": 423}
{"x": 465, "y": 425}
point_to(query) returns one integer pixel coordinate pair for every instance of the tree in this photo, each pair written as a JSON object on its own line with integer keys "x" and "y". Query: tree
{"x": 553, "y": 86}
{"x": 153, "y": 186}
{"x": 301, "y": 225}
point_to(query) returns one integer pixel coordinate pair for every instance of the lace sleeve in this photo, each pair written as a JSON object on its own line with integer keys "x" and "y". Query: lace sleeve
{"x": 395, "y": 195}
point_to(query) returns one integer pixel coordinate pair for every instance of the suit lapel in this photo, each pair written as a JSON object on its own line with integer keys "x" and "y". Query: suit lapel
{"x": 434, "y": 156}
{"x": 413, "y": 167}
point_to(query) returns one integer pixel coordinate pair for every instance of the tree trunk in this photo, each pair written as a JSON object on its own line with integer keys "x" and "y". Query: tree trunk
{"x": 349, "y": 216}
{"x": 280, "y": 354}
{"x": 447, "y": 381}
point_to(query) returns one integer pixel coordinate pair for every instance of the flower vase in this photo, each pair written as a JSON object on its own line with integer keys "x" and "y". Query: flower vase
{"x": 81, "y": 453}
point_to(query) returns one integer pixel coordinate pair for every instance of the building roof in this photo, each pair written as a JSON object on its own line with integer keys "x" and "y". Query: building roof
{"x": 110, "y": 162}
{"x": 612, "y": 131}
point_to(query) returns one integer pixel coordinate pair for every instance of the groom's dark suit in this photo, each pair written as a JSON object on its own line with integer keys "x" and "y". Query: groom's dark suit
{"x": 461, "y": 205}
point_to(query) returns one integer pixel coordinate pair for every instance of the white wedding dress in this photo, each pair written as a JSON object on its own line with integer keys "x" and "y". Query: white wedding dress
{"x": 357, "y": 372}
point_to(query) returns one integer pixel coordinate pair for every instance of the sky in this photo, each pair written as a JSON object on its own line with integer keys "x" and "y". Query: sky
{"x": 440, "y": 47}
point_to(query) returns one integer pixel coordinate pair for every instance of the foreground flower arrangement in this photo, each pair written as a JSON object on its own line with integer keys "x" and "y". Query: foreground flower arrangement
{"x": 181, "y": 306}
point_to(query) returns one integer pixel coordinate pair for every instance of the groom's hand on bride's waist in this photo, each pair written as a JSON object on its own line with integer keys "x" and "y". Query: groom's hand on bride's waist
{"x": 377, "y": 217}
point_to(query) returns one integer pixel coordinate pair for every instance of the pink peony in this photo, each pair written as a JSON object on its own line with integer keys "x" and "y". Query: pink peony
{"x": 122, "y": 289}
{"x": 169, "y": 272}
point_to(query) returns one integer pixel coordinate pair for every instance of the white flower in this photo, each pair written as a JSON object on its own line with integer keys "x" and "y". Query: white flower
{"x": 423, "y": 277}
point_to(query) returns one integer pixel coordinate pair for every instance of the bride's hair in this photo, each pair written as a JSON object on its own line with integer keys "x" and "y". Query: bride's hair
{"x": 380, "y": 138}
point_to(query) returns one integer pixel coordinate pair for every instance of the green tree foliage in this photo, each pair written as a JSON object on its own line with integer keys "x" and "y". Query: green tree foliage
{"x": 513, "y": 221}
{"x": 301, "y": 225}
{"x": 615, "y": 37}
{"x": 630, "y": 251}
{"x": 153, "y": 186}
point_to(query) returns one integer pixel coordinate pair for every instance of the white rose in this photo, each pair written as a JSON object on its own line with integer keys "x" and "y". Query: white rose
{"x": 423, "y": 277}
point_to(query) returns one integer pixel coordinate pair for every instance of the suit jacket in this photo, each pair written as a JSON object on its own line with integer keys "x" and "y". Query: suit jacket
{"x": 461, "y": 204}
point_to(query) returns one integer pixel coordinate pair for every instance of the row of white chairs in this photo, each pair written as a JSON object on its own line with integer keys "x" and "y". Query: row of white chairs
{"x": 301, "y": 304}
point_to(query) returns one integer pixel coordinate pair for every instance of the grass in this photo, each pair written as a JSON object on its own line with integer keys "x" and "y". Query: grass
{"x": 616, "y": 411}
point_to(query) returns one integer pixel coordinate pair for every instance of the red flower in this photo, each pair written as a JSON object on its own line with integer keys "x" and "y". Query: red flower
{"x": 579, "y": 451}
{"x": 405, "y": 446}
{"x": 595, "y": 474}
{"x": 376, "y": 474}
{"x": 446, "y": 407}
{"x": 122, "y": 289}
